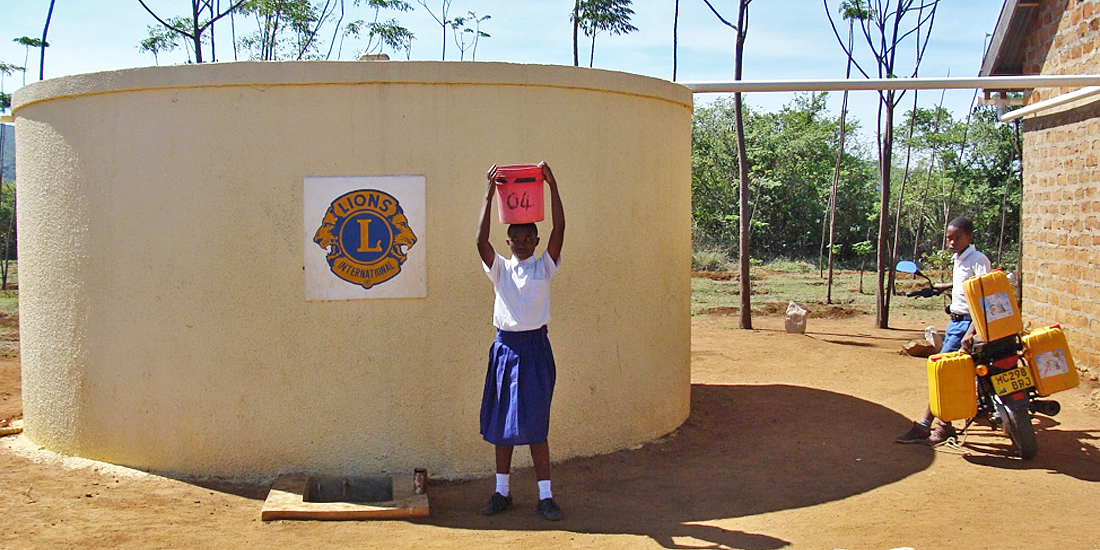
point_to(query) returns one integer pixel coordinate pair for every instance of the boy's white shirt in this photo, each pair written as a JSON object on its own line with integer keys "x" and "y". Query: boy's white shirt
{"x": 970, "y": 263}
{"x": 522, "y": 291}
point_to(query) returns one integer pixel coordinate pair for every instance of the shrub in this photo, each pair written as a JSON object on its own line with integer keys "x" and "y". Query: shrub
{"x": 709, "y": 260}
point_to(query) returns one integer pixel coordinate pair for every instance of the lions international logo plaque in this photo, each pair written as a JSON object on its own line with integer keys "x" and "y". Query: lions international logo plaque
{"x": 361, "y": 236}
{"x": 366, "y": 235}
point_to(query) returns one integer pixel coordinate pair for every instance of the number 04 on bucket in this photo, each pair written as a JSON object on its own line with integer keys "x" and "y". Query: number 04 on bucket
{"x": 519, "y": 189}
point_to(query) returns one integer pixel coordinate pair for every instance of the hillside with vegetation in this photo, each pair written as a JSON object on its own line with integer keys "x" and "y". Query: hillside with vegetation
{"x": 8, "y": 151}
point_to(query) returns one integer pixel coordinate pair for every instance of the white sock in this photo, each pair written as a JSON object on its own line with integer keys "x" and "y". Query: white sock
{"x": 544, "y": 489}
{"x": 502, "y": 484}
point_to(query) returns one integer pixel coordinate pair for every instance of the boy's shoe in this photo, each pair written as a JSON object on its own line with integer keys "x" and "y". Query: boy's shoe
{"x": 549, "y": 509}
{"x": 916, "y": 434}
{"x": 943, "y": 432}
{"x": 497, "y": 504}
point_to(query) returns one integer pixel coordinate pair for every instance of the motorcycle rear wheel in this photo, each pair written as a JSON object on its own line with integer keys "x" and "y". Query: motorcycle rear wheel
{"x": 1016, "y": 422}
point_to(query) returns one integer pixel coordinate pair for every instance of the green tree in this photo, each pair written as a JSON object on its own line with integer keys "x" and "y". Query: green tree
{"x": 988, "y": 182}
{"x": 715, "y": 205}
{"x": 7, "y": 214}
{"x": 863, "y": 249}
{"x": 5, "y": 103}
{"x": 7, "y": 200}
{"x": 796, "y": 149}
{"x": 381, "y": 34}
{"x": 930, "y": 134}
{"x": 888, "y": 26}
{"x": 467, "y": 33}
{"x": 575, "y": 18}
{"x": 285, "y": 29}
{"x": 195, "y": 25}
{"x": 442, "y": 19}
{"x": 595, "y": 16}
{"x": 7, "y": 208}
{"x": 5, "y": 70}
{"x": 901, "y": 210}
{"x": 160, "y": 40}
{"x": 850, "y": 10}
{"x": 742, "y": 30}
{"x": 28, "y": 43}
{"x": 791, "y": 155}
{"x": 983, "y": 184}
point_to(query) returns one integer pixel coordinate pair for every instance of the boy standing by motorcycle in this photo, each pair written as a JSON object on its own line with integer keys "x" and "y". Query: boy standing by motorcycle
{"x": 969, "y": 262}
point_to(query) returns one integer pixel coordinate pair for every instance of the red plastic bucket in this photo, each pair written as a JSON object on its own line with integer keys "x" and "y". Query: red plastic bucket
{"x": 519, "y": 193}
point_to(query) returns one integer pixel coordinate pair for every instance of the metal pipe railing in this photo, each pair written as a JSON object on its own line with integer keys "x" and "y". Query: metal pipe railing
{"x": 1052, "y": 103}
{"x": 918, "y": 83}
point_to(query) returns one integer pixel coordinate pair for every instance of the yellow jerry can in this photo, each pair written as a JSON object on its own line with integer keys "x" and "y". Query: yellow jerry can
{"x": 993, "y": 306}
{"x": 952, "y": 394}
{"x": 1047, "y": 355}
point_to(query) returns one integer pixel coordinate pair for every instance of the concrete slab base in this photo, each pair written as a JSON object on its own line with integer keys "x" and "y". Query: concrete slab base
{"x": 16, "y": 427}
{"x": 288, "y": 500}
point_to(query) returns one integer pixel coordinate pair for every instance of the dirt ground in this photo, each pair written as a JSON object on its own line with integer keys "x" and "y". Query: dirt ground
{"x": 789, "y": 444}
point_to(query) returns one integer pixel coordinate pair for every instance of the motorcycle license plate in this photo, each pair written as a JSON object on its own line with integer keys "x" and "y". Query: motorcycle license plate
{"x": 1012, "y": 381}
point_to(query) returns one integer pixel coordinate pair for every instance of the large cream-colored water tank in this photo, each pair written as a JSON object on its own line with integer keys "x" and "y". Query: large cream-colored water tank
{"x": 166, "y": 238}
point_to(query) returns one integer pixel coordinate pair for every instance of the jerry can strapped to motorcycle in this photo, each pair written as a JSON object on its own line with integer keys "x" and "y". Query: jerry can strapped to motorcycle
{"x": 993, "y": 306}
{"x": 951, "y": 389}
{"x": 1047, "y": 356}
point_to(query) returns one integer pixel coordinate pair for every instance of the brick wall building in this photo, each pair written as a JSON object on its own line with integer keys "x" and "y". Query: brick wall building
{"x": 1061, "y": 148}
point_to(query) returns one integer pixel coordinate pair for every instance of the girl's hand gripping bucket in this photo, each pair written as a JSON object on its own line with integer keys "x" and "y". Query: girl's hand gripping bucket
{"x": 519, "y": 193}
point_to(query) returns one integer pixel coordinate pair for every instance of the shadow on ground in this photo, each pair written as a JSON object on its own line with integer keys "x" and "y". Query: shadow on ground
{"x": 745, "y": 450}
{"x": 1069, "y": 452}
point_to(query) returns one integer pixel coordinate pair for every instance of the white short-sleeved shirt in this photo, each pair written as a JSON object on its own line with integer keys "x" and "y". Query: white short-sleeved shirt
{"x": 970, "y": 263}
{"x": 522, "y": 291}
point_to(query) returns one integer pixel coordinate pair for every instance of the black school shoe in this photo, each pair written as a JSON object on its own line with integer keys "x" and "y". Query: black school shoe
{"x": 549, "y": 509}
{"x": 497, "y": 504}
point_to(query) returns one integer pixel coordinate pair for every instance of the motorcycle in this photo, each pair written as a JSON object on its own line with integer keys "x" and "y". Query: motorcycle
{"x": 1006, "y": 393}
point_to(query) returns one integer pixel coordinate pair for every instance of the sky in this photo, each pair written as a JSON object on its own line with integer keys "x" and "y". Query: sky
{"x": 787, "y": 39}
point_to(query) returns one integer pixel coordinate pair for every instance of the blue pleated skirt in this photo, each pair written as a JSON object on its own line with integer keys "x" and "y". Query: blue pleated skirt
{"x": 519, "y": 384}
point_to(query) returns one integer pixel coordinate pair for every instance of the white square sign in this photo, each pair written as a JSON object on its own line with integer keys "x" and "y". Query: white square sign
{"x": 363, "y": 237}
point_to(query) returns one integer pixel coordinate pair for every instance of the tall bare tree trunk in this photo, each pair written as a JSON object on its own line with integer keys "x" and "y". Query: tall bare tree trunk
{"x": 882, "y": 305}
{"x": 233, "y": 33}
{"x": 675, "y": 35}
{"x": 905, "y": 177}
{"x": 881, "y": 26}
{"x": 4, "y": 260}
{"x": 839, "y": 161}
{"x": 962, "y": 149}
{"x": 213, "y": 49}
{"x": 832, "y": 198}
{"x": 885, "y": 254}
{"x": 1001, "y": 239}
{"x": 829, "y": 205}
{"x": 45, "y": 31}
{"x": 741, "y": 28}
{"x": 576, "y": 29}
{"x": 592, "y": 52}
{"x": 8, "y": 238}
{"x": 743, "y": 170}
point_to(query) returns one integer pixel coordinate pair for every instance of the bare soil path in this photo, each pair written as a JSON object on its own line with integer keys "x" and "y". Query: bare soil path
{"x": 789, "y": 445}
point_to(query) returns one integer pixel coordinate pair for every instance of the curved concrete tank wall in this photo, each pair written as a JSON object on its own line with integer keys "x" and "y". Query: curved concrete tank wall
{"x": 164, "y": 319}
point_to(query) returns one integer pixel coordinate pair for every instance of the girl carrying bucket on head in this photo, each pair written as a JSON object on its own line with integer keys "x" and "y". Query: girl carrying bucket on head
{"x": 519, "y": 382}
